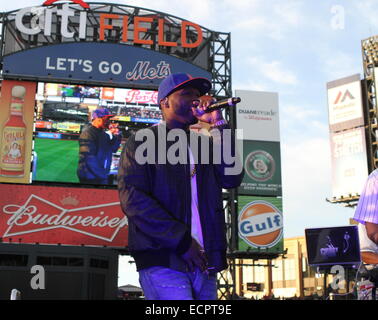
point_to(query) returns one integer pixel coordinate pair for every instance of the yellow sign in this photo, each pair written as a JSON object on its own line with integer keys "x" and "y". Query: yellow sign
{"x": 121, "y": 118}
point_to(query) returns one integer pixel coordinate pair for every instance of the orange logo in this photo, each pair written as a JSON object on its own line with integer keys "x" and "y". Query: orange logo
{"x": 260, "y": 224}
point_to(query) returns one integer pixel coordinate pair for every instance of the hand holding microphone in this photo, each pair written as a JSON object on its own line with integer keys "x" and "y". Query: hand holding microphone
{"x": 113, "y": 128}
{"x": 203, "y": 109}
{"x": 223, "y": 104}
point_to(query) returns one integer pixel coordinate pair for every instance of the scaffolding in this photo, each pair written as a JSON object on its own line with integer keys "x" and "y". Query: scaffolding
{"x": 212, "y": 55}
{"x": 369, "y": 50}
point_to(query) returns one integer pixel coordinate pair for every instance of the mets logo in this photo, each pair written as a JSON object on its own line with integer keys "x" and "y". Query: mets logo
{"x": 260, "y": 224}
{"x": 260, "y": 165}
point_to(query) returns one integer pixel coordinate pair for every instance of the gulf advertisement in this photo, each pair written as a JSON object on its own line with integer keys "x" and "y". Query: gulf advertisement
{"x": 66, "y": 216}
{"x": 260, "y": 224}
{"x": 16, "y": 124}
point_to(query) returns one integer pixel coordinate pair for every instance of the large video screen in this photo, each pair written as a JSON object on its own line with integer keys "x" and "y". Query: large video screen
{"x": 61, "y": 124}
{"x": 67, "y": 90}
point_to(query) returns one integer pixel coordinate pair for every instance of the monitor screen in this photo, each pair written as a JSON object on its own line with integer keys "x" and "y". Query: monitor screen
{"x": 63, "y": 114}
{"x": 333, "y": 245}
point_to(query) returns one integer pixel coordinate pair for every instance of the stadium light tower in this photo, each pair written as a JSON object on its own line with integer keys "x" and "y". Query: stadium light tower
{"x": 370, "y": 64}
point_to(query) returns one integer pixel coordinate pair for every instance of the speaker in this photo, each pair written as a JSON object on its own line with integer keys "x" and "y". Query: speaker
{"x": 50, "y": 272}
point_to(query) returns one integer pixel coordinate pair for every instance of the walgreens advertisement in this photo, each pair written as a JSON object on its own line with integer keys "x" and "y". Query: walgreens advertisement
{"x": 67, "y": 216}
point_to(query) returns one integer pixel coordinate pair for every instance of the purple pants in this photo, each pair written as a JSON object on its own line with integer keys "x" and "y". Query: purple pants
{"x": 160, "y": 283}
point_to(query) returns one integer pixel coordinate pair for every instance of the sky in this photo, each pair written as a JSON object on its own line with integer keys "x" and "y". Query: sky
{"x": 292, "y": 47}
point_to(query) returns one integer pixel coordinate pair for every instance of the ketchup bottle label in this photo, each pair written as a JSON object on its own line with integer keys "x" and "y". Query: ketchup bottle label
{"x": 13, "y": 149}
{"x": 16, "y": 106}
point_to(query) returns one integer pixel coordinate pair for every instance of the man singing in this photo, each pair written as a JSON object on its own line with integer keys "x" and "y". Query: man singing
{"x": 97, "y": 145}
{"x": 175, "y": 212}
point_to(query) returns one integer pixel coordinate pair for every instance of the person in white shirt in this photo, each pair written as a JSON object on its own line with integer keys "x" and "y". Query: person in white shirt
{"x": 367, "y": 215}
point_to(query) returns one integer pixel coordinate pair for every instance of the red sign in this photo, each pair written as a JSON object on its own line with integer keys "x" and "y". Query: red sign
{"x": 142, "y": 96}
{"x": 136, "y": 35}
{"x": 135, "y": 96}
{"x": 54, "y": 215}
{"x": 16, "y": 129}
{"x": 80, "y": 2}
{"x": 43, "y": 124}
{"x": 107, "y": 94}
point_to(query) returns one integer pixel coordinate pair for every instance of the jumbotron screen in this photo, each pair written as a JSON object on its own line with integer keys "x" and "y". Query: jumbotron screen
{"x": 62, "y": 116}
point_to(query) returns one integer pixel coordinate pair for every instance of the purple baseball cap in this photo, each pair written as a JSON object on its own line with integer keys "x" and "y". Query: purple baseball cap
{"x": 101, "y": 113}
{"x": 178, "y": 81}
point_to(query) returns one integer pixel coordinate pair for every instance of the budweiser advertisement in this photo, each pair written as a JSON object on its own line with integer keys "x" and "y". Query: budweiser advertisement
{"x": 67, "y": 216}
{"x": 16, "y": 124}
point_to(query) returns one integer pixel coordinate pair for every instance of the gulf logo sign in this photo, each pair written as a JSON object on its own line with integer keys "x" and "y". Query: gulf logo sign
{"x": 260, "y": 224}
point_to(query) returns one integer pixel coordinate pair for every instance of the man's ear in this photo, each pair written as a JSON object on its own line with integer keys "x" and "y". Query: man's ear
{"x": 98, "y": 122}
{"x": 164, "y": 102}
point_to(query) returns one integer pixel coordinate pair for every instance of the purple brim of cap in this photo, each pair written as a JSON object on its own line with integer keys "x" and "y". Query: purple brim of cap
{"x": 101, "y": 113}
{"x": 198, "y": 83}
{"x": 168, "y": 85}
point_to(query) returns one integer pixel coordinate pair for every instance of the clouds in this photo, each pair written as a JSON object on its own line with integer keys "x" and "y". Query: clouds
{"x": 307, "y": 162}
{"x": 266, "y": 75}
{"x": 287, "y": 47}
{"x": 367, "y": 12}
{"x": 289, "y": 13}
{"x": 271, "y": 21}
{"x": 302, "y": 121}
{"x": 306, "y": 177}
{"x": 274, "y": 71}
{"x": 339, "y": 64}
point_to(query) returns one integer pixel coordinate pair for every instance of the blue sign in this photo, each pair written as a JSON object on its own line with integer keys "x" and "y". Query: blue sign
{"x": 49, "y": 135}
{"x": 110, "y": 63}
{"x": 145, "y": 120}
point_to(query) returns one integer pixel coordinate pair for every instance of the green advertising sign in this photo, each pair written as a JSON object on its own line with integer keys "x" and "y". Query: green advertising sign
{"x": 262, "y": 164}
{"x": 260, "y": 224}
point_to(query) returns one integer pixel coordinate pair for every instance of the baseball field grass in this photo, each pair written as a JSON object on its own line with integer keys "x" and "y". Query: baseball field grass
{"x": 56, "y": 160}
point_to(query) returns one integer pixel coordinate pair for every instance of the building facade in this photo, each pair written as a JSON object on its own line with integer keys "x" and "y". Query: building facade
{"x": 289, "y": 276}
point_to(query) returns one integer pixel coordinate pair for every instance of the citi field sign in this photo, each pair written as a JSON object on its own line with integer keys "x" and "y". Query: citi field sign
{"x": 260, "y": 224}
{"x": 101, "y": 43}
{"x": 40, "y": 23}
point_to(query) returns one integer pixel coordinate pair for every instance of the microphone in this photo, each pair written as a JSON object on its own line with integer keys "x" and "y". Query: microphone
{"x": 223, "y": 104}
